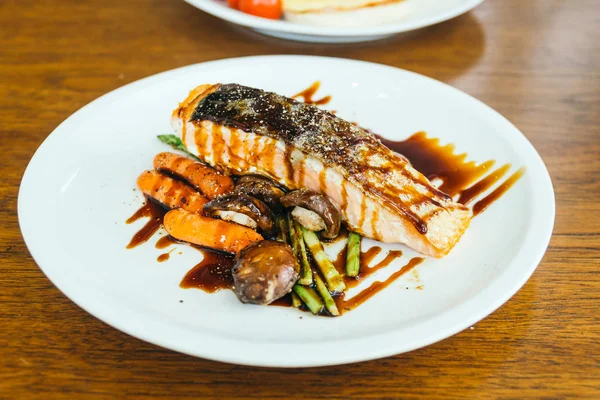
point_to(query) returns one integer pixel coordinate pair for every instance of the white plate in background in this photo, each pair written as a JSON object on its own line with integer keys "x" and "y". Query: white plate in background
{"x": 79, "y": 189}
{"x": 415, "y": 14}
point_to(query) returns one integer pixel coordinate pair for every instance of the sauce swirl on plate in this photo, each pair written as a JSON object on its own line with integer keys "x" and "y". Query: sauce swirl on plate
{"x": 308, "y": 93}
{"x": 460, "y": 179}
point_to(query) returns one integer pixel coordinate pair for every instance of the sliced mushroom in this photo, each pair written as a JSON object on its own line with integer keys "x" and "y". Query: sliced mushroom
{"x": 264, "y": 271}
{"x": 242, "y": 209}
{"x": 257, "y": 177}
{"x": 308, "y": 219}
{"x": 314, "y": 211}
{"x": 263, "y": 189}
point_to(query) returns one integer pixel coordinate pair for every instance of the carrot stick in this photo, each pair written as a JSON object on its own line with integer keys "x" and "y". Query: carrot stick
{"x": 209, "y": 232}
{"x": 205, "y": 179}
{"x": 169, "y": 192}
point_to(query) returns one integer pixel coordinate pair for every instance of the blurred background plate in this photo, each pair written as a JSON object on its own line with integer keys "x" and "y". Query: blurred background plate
{"x": 415, "y": 14}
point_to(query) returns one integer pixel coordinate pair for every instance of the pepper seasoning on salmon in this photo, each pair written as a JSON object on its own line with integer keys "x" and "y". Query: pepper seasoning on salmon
{"x": 378, "y": 192}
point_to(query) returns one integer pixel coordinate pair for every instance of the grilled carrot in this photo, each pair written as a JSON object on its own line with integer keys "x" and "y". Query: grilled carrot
{"x": 171, "y": 193}
{"x": 209, "y": 232}
{"x": 205, "y": 179}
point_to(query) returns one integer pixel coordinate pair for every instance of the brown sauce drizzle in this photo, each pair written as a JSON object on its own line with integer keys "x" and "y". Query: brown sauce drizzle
{"x": 164, "y": 257}
{"x": 365, "y": 260}
{"x": 308, "y": 93}
{"x": 268, "y": 155}
{"x": 200, "y": 136}
{"x": 460, "y": 178}
{"x": 156, "y": 213}
{"x": 144, "y": 211}
{"x": 347, "y": 305}
{"x": 323, "y": 180}
{"x": 287, "y": 159}
{"x": 484, "y": 184}
{"x": 484, "y": 203}
{"x": 217, "y": 144}
{"x": 234, "y": 151}
{"x": 164, "y": 242}
{"x": 254, "y": 151}
{"x": 367, "y": 256}
{"x": 363, "y": 211}
{"x": 391, "y": 256}
{"x": 301, "y": 172}
{"x": 340, "y": 261}
{"x": 285, "y": 301}
{"x": 212, "y": 274}
{"x": 234, "y": 144}
{"x": 342, "y": 235}
{"x": 344, "y": 197}
{"x": 245, "y": 150}
{"x": 374, "y": 220}
{"x": 433, "y": 160}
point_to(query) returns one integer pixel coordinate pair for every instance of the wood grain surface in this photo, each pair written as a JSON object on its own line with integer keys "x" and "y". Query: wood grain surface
{"x": 535, "y": 61}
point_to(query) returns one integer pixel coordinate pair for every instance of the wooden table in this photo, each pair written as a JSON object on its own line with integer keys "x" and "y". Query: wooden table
{"x": 536, "y": 61}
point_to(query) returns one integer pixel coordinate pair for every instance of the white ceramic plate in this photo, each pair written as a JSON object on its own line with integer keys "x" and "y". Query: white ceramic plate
{"x": 79, "y": 188}
{"x": 415, "y": 14}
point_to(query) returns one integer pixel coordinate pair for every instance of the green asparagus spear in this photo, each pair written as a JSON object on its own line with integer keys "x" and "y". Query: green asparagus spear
{"x": 353, "y": 255}
{"x": 310, "y": 298}
{"x": 296, "y": 302}
{"x": 282, "y": 232}
{"x": 326, "y": 296}
{"x": 332, "y": 277}
{"x": 300, "y": 251}
{"x": 177, "y": 144}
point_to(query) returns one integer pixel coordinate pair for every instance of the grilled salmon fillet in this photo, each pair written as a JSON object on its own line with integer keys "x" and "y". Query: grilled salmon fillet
{"x": 378, "y": 192}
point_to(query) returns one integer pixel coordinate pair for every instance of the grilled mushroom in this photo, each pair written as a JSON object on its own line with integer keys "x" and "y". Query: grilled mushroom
{"x": 257, "y": 177}
{"x": 264, "y": 271}
{"x": 314, "y": 211}
{"x": 270, "y": 192}
{"x": 242, "y": 209}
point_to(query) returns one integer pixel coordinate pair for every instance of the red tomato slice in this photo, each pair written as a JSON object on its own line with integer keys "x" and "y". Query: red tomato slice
{"x": 233, "y": 3}
{"x": 271, "y": 9}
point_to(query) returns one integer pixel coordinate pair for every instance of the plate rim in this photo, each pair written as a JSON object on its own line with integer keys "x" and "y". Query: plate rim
{"x": 90, "y": 303}
{"x": 250, "y": 21}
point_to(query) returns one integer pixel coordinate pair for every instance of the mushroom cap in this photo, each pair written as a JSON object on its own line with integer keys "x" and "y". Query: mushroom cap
{"x": 258, "y": 177}
{"x": 264, "y": 272}
{"x": 241, "y": 203}
{"x": 263, "y": 189}
{"x": 319, "y": 204}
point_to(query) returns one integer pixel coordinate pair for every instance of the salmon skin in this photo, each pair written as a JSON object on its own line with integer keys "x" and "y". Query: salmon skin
{"x": 378, "y": 192}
